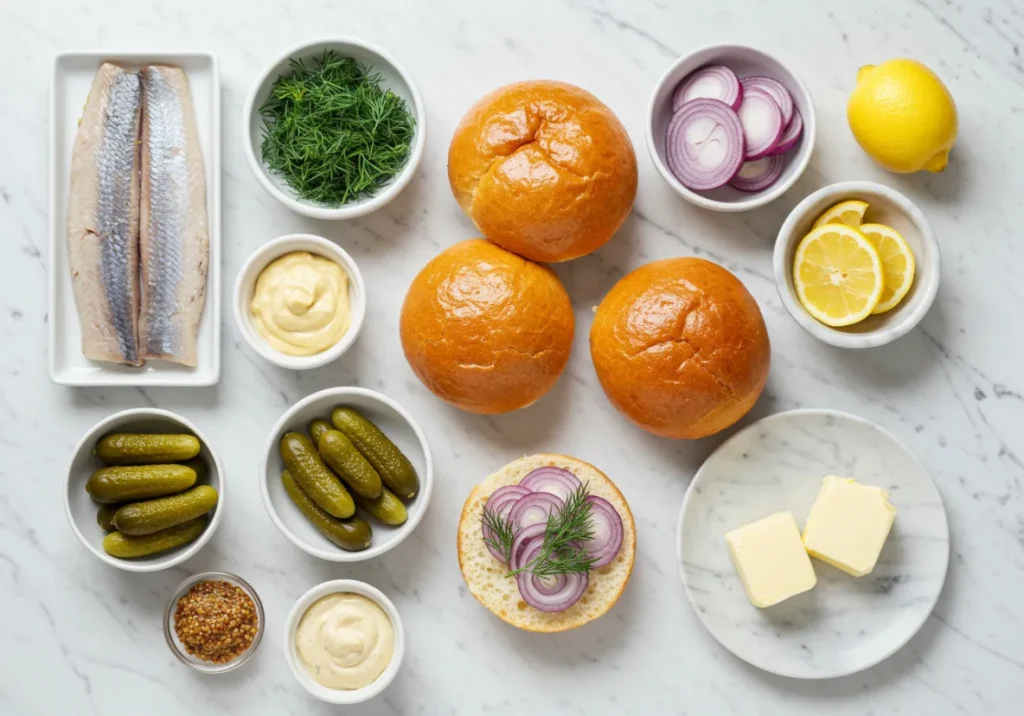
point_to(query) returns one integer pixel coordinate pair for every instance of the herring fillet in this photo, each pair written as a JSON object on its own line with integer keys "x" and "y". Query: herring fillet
{"x": 173, "y": 232}
{"x": 103, "y": 218}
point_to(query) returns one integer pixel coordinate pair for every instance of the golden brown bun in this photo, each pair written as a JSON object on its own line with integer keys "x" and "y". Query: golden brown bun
{"x": 485, "y": 576}
{"x": 680, "y": 347}
{"x": 486, "y": 330}
{"x": 544, "y": 169}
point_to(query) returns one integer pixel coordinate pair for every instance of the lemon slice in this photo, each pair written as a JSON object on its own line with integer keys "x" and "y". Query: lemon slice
{"x": 849, "y": 212}
{"x": 838, "y": 275}
{"x": 897, "y": 263}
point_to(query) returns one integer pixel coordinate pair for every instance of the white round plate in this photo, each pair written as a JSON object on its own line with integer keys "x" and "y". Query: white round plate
{"x": 845, "y": 624}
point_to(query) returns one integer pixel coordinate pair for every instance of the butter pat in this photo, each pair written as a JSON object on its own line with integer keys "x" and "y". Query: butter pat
{"x": 848, "y": 525}
{"x": 771, "y": 560}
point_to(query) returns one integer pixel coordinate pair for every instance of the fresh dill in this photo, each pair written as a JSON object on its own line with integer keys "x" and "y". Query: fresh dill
{"x": 562, "y": 552}
{"x": 332, "y": 132}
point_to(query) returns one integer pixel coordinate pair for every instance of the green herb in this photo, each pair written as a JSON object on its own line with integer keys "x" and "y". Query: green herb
{"x": 560, "y": 553}
{"x": 332, "y": 132}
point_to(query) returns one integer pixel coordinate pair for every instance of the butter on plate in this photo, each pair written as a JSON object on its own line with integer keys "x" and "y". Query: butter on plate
{"x": 848, "y": 525}
{"x": 770, "y": 559}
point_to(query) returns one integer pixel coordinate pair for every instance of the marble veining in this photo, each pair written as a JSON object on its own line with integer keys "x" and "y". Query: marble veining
{"x": 78, "y": 637}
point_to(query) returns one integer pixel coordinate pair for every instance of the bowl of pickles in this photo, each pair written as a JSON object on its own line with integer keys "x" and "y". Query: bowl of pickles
{"x": 144, "y": 489}
{"x": 347, "y": 475}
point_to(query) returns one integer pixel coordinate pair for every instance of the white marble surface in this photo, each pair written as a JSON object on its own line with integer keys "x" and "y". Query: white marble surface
{"x": 78, "y": 637}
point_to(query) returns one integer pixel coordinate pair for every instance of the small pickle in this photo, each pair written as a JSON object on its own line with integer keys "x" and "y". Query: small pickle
{"x": 390, "y": 463}
{"x": 341, "y": 456}
{"x": 317, "y": 428}
{"x": 304, "y": 462}
{"x": 352, "y": 534}
{"x": 149, "y": 516}
{"x": 138, "y": 482}
{"x": 128, "y": 547}
{"x": 387, "y": 508}
{"x": 146, "y": 449}
{"x": 199, "y": 465}
{"x": 105, "y": 517}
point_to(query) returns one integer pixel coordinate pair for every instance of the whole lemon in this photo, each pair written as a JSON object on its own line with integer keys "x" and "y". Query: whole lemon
{"x": 903, "y": 116}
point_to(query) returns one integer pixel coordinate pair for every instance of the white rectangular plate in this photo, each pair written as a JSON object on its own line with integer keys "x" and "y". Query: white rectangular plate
{"x": 73, "y": 74}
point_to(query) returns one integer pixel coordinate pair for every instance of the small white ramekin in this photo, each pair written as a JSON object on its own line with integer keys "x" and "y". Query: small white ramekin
{"x": 886, "y": 206}
{"x": 393, "y": 77}
{"x": 81, "y": 510}
{"x": 745, "y": 62}
{"x": 245, "y": 286}
{"x": 291, "y": 652}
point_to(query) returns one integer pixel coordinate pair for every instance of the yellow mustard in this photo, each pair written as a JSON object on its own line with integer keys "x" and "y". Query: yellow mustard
{"x": 301, "y": 304}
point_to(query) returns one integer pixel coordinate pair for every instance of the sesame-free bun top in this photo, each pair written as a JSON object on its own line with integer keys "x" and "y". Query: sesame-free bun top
{"x": 485, "y": 329}
{"x": 680, "y": 348}
{"x": 485, "y": 575}
{"x": 544, "y": 169}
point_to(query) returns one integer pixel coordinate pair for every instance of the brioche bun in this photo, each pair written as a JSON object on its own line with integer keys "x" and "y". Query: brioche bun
{"x": 544, "y": 169}
{"x": 485, "y": 576}
{"x": 486, "y": 330}
{"x": 680, "y": 348}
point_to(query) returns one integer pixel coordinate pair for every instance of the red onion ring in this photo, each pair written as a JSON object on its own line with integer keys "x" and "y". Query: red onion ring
{"x": 712, "y": 82}
{"x": 560, "y": 483}
{"x": 762, "y": 123}
{"x": 608, "y": 532}
{"x": 534, "y": 508}
{"x": 704, "y": 144}
{"x": 758, "y": 174}
{"x": 551, "y": 594}
{"x": 500, "y": 503}
{"x": 776, "y": 89}
{"x": 523, "y": 541}
{"x": 791, "y": 136}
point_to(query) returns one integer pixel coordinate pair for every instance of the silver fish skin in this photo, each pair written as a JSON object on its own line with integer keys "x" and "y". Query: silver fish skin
{"x": 103, "y": 217}
{"x": 173, "y": 235}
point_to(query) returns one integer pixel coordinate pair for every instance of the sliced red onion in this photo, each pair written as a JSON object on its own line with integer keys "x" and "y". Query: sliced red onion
{"x": 523, "y": 541}
{"x": 499, "y": 504}
{"x": 791, "y": 136}
{"x": 534, "y": 508}
{"x": 762, "y": 123}
{"x": 549, "y": 594}
{"x": 758, "y": 174}
{"x": 704, "y": 144}
{"x": 560, "y": 483}
{"x": 712, "y": 82}
{"x": 777, "y": 91}
{"x": 607, "y": 525}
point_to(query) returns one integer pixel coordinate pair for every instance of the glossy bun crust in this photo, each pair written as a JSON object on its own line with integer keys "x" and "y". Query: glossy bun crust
{"x": 680, "y": 348}
{"x": 486, "y": 330}
{"x": 544, "y": 169}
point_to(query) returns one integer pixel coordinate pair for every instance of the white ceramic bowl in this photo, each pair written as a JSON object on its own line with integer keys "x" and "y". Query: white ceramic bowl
{"x": 302, "y": 675}
{"x": 393, "y": 77}
{"x": 745, "y": 62}
{"x": 245, "y": 286}
{"x": 81, "y": 510}
{"x": 395, "y": 422}
{"x": 886, "y": 206}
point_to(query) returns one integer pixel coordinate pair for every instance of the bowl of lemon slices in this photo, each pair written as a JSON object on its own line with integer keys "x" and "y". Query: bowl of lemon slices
{"x": 857, "y": 264}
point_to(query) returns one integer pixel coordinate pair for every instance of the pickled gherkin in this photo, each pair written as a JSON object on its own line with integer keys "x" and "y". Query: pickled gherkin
{"x": 341, "y": 456}
{"x": 317, "y": 428}
{"x": 391, "y": 464}
{"x": 352, "y": 534}
{"x": 146, "y": 448}
{"x": 125, "y": 546}
{"x": 387, "y": 508}
{"x": 316, "y": 480}
{"x": 122, "y": 483}
{"x": 105, "y": 517}
{"x": 149, "y": 516}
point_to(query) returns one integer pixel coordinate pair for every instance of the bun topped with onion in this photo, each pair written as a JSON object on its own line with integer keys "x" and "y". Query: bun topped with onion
{"x": 680, "y": 348}
{"x": 544, "y": 169}
{"x": 517, "y": 516}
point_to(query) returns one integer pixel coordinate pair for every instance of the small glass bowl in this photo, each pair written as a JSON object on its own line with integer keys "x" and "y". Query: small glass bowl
{"x": 178, "y": 649}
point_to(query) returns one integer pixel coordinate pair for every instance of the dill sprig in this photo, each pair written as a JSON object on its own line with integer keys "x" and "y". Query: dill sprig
{"x": 562, "y": 552}
{"x": 332, "y": 132}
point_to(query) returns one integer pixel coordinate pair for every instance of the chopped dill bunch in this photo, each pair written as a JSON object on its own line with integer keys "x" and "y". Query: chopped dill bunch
{"x": 332, "y": 132}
